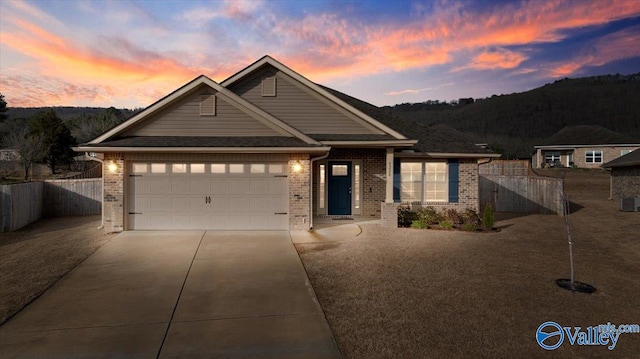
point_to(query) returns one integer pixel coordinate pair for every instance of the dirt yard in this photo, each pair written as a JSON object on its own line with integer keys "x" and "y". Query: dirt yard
{"x": 408, "y": 293}
{"x": 35, "y": 257}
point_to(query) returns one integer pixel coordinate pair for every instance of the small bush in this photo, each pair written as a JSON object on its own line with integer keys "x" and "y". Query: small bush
{"x": 469, "y": 227}
{"x": 429, "y": 215}
{"x": 419, "y": 223}
{"x": 487, "y": 217}
{"x": 406, "y": 216}
{"x": 469, "y": 216}
{"x": 445, "y": 224}
{"x": 452, "y": 215}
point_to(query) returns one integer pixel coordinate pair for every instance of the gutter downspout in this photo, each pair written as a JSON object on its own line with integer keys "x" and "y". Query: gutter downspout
{"x": 311, "y": 187}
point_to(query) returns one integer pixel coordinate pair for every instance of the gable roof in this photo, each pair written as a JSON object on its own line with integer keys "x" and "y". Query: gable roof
{"x": 440, "y": 139}
{"x": 268, "y": 60}
{"x": 630, "y": 159}
{"x": 585, "y": 135}
{"x": 246, "y": 106}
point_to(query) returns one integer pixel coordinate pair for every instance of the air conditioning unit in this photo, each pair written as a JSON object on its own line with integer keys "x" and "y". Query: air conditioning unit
{"x": 630, "y": 204}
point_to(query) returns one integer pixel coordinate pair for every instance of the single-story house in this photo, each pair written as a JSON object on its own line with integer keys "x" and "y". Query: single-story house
{"x": 625, "y": 175}
{"x": 269, "y": 149}
{"x": 585, "y": 146}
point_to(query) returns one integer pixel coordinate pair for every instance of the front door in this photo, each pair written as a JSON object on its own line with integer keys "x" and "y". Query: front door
{"x": 339, "y": 188}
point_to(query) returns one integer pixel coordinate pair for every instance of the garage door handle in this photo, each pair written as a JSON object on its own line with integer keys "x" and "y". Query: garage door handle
{"x": 281, "y": 213}
{"x": 207, "y": 199}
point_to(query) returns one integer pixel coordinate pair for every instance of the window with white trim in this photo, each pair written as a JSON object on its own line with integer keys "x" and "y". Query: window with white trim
{"x": 321, "y": 187}
{"x": 593, "y": 157}
{"x": 551, "y": 157}
{"x": 624, "y": 152}
{"x": 424, "y": 182}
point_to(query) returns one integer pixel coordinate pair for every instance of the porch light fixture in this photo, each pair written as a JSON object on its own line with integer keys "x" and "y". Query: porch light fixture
{"x": 297, "y": 167}
{"x": 112, "y": 166}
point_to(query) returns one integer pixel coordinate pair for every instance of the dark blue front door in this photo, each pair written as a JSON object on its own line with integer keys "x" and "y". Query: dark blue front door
{"x": 339, "y": 191}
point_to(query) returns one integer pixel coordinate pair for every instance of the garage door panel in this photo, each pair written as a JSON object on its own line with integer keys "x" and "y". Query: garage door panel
{"x": 206, "y": 200}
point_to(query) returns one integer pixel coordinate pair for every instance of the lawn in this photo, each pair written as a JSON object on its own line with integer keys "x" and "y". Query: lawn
{"x": 33, "y": 258}
{"x": 409, "y": 293}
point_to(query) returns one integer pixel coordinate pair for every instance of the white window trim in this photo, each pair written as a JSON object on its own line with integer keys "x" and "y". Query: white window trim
{"x": 593, "y": 156}
{"x": 422, "y": 185}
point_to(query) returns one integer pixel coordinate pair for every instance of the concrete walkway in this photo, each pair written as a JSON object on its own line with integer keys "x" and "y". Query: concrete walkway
{"x": 178, "y": 295}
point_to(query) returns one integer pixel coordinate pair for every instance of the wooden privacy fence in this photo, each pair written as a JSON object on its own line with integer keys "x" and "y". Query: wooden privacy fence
{"x": 506, "y": 168}
{"x": 24, "y": 203}
{"x": 522, "y": 194}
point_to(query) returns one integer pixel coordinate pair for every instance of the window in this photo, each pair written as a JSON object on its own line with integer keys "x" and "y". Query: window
{"x": 236, "y": 168}
{"x": 424, "y": 182}
{"x": 339, "y": 170}
{"x": 551, "y": 157}
{"x": 356, "y": 186}
{"x": 218, "y": 168}
{"x": 158, "y": 167}
{"x": 624, "y": 152}
{"x": 179, "y": 168}
{"x": 593, "y": 157}
{"x": 197, "y": 168}
{"x": 411, "y": 181}
{"x": 258, "y": 168}
{"x": 275, "y": 168}
{"x": 139, "y": 168}
{"x": 321, "y": 187}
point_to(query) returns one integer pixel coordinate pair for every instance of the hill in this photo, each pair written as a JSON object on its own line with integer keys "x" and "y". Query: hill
{"x": 513, "y": 124}
{"x": 64, "y": 112}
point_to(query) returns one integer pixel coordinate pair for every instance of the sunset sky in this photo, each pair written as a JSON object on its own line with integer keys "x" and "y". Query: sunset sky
{"x": 126, "y": 53}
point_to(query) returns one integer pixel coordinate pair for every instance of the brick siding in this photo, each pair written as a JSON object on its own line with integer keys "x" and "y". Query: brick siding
{"x": 625, "y": 182}
{"x": 113, "y": 194}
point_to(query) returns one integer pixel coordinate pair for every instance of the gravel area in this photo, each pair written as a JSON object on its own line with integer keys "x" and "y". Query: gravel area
{"x": 33, "y": 258}
{"x": 408, "y": 293}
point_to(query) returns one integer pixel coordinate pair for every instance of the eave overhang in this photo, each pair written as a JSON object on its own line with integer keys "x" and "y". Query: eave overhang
{"x": 320, "y": 149}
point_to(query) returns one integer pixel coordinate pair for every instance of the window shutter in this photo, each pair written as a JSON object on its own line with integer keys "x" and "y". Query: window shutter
{"x": 208, "y": 105}
{"x": 454, "y": 181}
{"x": 396, "y": 180}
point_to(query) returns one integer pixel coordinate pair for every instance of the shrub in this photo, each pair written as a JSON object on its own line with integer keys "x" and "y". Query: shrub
{"x": 469, "y": 216}
{"x": 429, "y": 215}
{"x": 452, "y": 215}
{"x": 470, "y": 227}
{"x": 406, "y": 216}
{"x": 419, "y": 223}
{"x": 487, "y": 217}
{"x": 445, "y": 224}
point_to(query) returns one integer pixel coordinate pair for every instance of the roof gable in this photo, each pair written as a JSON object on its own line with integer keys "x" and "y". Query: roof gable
{"x": 359, "y": 122}
{"x": 163, "y": 117}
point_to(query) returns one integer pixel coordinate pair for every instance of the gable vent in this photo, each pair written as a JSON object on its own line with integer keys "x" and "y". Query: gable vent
{"x": 207, "y": 105}
{"x": 269, "y": 86}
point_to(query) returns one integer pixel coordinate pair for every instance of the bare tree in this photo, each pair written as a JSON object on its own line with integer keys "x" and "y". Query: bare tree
{"x": 30, "y": 147}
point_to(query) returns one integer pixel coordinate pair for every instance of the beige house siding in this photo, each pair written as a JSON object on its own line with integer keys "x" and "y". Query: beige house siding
{"x": 609, "y": 153}
{"x": 299, "y": 107}
{"x": 625, "y": 182}
{"x": 183, "y": 119}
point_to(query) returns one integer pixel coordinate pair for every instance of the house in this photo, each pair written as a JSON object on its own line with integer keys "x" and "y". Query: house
{"x": 269, "y": 149}
{"x": 625, "y": 175}
{"x": 584, "y": 146}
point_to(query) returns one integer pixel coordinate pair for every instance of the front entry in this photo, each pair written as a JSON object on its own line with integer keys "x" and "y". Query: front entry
{"x": 339, "y": 188}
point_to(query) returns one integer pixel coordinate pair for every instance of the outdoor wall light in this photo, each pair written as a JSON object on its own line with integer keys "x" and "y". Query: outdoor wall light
{"x": 112, "y": 166}
{"x": 297, "y": 167}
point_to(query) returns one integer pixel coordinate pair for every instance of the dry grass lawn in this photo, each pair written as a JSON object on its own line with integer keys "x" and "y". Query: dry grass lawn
{"x": 35, "y": 257}
{"x": 408, "y": 293}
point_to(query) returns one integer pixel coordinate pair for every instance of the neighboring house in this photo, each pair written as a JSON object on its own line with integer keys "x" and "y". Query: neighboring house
{"x": 625, "y": 175}
{"x": 584, "y": 146}
{"x": 9, "y": 154}
{"x": 269, "y": 149}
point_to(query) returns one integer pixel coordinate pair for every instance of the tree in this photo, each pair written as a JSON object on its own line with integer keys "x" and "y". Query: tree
{"x": 86, "y": 128}
{"x": 57, "y": 138}
{"x": 29, "y": 146}
{"x": 3, "y": 108}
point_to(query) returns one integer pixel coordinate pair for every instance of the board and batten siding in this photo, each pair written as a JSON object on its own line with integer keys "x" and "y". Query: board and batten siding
{"x": 298, "y": 107}
{"x": 183, "y": 119}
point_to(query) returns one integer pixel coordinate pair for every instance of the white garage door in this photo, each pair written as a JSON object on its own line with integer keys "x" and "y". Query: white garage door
{"x": 208, "y": 196}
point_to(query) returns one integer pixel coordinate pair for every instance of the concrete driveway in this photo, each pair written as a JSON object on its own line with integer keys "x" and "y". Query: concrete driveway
{"x": 178, "y": 295}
